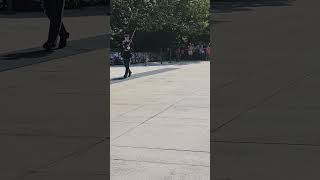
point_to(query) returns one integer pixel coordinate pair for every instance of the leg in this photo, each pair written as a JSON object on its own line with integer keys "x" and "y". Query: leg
{"x": 64, "y": 35}
{"x": 54, "y": 10}
{"x": 126, "y": 64}
{"x": 49, "y": 8}
{"x": 63, "y": 30}
{"x": 45, "y": 7}
{"x": 129, "y": 68}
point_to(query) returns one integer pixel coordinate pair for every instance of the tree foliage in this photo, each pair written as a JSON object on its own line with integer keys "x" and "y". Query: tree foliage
{"x": 160, "y": 23}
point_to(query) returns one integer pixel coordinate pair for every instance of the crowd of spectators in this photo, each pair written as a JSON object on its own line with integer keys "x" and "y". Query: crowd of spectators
{"x": 200, "y": 51}
{"x": 192, "y": 51}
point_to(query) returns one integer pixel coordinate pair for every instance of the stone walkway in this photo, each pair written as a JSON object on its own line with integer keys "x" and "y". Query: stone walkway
{"x": 160, "y": 123}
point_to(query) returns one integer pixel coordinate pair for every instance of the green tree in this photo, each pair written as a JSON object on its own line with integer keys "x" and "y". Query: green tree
{"x": 160, "y": 23}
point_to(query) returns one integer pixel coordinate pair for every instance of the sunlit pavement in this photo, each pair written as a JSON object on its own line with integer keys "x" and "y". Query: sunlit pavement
{"x": 160, "y": 122}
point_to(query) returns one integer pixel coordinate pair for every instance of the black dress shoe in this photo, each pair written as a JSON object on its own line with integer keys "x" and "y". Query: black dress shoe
{"x": 125, "y": 76}
{"x": 49, "y": 45}
{"x": 130, "y": 73}
{"x": 63, "y": 40}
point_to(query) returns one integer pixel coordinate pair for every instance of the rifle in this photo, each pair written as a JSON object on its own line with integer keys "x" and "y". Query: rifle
{"x": 132, "y": 35}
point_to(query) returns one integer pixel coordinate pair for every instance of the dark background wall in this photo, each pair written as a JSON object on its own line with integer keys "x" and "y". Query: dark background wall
{"x": 35, "y": 5}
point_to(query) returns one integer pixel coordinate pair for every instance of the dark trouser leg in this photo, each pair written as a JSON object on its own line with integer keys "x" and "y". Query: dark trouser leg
{"x": 54, "y": 11}
{"x": 127, "y": 66}
{"x": 63, "y": 30}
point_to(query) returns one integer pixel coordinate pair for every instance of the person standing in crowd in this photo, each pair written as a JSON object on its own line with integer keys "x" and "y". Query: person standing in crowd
{"x": 205, "y": 51}
{"x": 54, "y": 10}
{"x": 201, "y": 51}
{"x": 197, "y": 51}
{"x": 126, "y": 54}
{"x": 208, "y": 52}
{"x": 190, "y": 51}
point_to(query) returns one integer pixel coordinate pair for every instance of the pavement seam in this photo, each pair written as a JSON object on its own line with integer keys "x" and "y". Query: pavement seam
{"x": 165, "y": 149}
{"x": 253, "y": 75}
{"x": 67, "y": 156}
{"x": 266, "y": 143}
{"x": 224, "y": 85}
{"x": 154, "y": 162}
{"x": 123, "y": 114}
{"x": 262, "y": 101}
{"x": 148, "y": 119}
{"x": 172, "y": 105}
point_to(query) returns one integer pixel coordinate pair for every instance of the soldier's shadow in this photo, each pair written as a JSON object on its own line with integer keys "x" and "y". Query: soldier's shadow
{"x": 26, "y": 55}
{"x": 117, "y": 79}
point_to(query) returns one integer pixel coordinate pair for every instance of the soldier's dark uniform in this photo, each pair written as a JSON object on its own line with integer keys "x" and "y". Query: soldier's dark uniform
{"x": 126, "y": 55}
{"x": 109, "y": 8}
{"x": 54, "y": 10}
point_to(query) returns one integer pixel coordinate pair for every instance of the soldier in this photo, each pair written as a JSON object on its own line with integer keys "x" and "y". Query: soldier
{"x": 54, "y": 10}
{"x": 126, "y": 54}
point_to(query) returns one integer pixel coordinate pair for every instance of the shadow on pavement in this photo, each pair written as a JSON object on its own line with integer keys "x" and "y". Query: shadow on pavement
{"x": 27, "y": 55}
{"x": 117, "y": 79}
{"x": 139, "y": 75}
{"x": 181, "y": 63}
{"x": 246, "y": 5}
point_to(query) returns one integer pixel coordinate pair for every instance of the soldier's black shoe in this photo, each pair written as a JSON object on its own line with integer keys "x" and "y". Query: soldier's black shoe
{"x": 130, "y": 73}
{"x": 125, "y": 76}
{"x": 63, "y": 40}
{"x": 49, "y": 45}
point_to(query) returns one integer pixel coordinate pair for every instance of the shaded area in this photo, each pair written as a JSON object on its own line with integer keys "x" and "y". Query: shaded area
{"x": 220, "y": 21}
{"x": 88, "y": 11}
{"x": 36, "y": 55}
{"x": 260, "y": 75}
{"x": 36, "y": 5}
{"x": 139, "y": 75}
{"x": 245, "y": 5}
